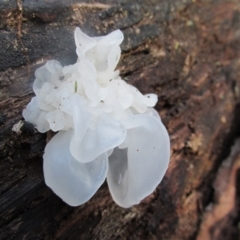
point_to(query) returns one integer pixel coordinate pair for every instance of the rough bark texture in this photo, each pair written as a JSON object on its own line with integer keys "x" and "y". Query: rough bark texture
{"x": 185, "y": 51}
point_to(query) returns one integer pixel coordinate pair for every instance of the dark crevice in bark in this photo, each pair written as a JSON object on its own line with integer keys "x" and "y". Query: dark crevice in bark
{"x": 206, "y": 187}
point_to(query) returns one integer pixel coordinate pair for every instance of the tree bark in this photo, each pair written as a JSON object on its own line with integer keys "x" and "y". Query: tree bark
{"x": 187, "y": 52}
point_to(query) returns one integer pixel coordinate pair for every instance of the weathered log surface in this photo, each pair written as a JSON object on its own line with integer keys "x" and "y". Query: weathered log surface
{"x": 188, "y": 52}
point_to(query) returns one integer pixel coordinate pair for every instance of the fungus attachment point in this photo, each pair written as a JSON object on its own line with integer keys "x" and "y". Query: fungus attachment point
{"x": 106, "y": 128}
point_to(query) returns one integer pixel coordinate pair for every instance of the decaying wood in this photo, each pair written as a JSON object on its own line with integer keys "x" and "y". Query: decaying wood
{"x": 219, "y": 221}
{"x": 188, "y": 53}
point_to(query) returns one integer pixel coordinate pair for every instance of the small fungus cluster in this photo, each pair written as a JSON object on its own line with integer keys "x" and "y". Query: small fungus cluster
{"x": 106, "y": 129}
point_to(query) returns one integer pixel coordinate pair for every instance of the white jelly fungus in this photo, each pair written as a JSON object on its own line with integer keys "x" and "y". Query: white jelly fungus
{"x": 106, "y": 127}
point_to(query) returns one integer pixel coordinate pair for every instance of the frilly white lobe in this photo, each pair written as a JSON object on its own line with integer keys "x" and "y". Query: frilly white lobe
{"x": 106, "y": 127}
